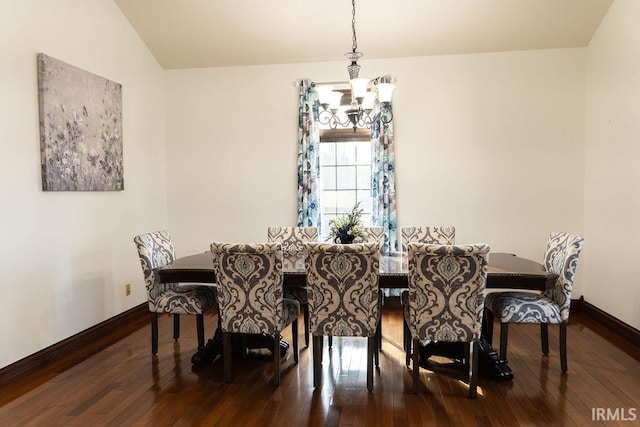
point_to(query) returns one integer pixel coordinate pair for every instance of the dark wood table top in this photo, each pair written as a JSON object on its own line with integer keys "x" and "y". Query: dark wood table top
{"x": 505, "y": 271}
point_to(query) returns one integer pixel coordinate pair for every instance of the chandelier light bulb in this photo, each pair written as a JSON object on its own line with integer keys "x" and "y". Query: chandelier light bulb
{"x": 385, "y": 90}
{"x": 335, "y": 99}
{"x": 359, "y": 88}
{"x": 324, "y": 95}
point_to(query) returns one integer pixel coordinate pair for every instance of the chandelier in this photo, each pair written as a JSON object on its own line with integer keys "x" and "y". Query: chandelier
{"x": 358, "y": 113}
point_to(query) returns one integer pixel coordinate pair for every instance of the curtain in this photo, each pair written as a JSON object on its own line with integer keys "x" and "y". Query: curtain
{"x": 308, "y": 157}
{"x": 383, "y": 177}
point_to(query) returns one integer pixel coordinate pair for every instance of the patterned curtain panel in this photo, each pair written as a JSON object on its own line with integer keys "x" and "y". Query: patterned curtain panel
{"x": 308, "y": 157}
{"x": 383, "y": 177}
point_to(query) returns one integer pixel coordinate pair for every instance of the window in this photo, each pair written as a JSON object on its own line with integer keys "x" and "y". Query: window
{"x": 345, "y": 174}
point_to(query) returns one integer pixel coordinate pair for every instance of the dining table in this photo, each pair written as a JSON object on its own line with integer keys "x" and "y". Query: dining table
{"x": 504, "y": 271}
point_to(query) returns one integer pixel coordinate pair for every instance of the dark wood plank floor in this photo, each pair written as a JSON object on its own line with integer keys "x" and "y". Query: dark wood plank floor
{"x": 124, "y": 385}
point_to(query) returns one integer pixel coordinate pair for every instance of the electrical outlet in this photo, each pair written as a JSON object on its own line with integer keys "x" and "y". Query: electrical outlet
{"x": 127, "y": 289}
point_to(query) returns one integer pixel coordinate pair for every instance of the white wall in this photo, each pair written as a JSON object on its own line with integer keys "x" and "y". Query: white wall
{"x": 491, "y": 143}
{"x": 612, "y": 180}
{"x": 66, "y": 256}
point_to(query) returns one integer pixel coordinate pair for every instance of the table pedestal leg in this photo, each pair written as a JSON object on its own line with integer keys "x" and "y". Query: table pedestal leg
{"x": 213, "y": 347}
{"x": 489, "y": 362}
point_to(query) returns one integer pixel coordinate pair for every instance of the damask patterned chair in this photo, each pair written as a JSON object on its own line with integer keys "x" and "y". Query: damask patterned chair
{"x": 156, "y": 250}
{"x": 432, "y": 235}
{"x": 293, "y": 240}
{"x": 343, "y": 297}
{"x": 249, "y": 278}
{"x": 552, "y": 306}
{"x": 372, "y": 235}
{"x": 446, "y": 299}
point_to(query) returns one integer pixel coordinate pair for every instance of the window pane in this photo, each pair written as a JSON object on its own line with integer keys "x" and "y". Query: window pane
{"x": 328, "y": 153}
{"x": 346, "y": 177}
{"x": 328, "y": 178}
{"x": 366, "y": 220}
{"x": 364, "y": 177}
{"x": 326, "y": 228}
{"x": 346, "y": 153}
{"x": 363, "y": 152}
{"x": 345, "y": 201}
{"x": 365, "y": 200}
{"x": 329, "y": 204}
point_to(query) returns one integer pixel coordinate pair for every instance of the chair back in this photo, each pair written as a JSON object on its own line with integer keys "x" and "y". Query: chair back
{"x": 561, "y": 258}
{"x": 155, "y": 250}
{"x": 446, "y": 291}
{"x": 435, "y": 235}
{"x": 249, "y": 279}
{"x": 372, "y": 235}
{"x": 342, "y": 281}
{"x": 292, "y": 240}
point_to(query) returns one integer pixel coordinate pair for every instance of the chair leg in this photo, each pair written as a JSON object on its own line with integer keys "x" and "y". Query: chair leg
{"x": 317, "y": 353}
{"x": 544, "y": 337}
{"x": 472, "y": 364}
{"x": 416, "y": 366}
{"x": 330, "y": 341}
{"x": 226, "y": 356}
{"x": 176, "y": 327}
{"x": 200, "y": 329}
{"x": 276, "y": 359}
{"x": 244, "y": 346}
{"x": 294, "y": 338}
{"x": 563, "y": 346}
{"x": 154, "y": 333}
{"x": 371, "y": 349}
{"x": 504, "y": 335}
{"x": 305, "y": 314}
{"x": 376, "y": 348}
{"x": 488, "y": 321}
{"x": 407, "y": 342}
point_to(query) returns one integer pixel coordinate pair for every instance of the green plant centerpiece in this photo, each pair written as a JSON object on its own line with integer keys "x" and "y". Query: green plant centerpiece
{"x": 346, "y": 228}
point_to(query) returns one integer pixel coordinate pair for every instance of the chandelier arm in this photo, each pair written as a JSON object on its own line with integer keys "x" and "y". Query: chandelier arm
{"x": 386, "y": 115}
{"x": 331, "y": 119}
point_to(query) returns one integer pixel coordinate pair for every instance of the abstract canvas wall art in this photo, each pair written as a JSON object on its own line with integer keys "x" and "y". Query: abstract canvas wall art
{"x": 80, "y": 128}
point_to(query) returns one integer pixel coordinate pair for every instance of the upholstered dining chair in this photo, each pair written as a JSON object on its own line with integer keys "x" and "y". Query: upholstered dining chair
{"x": 433, "y": 235}
{"x": 249, "y": 278}
{"x": 342, "y": 281}
{"x": 372, "y": 235}
{"x": 156, "y": 250}
{"x": 293, "y": 240}
{"x": 549, "y": 307}
{"x": 446, "y": 300}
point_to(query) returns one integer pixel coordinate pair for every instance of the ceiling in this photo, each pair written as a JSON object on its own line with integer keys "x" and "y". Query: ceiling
{"x": 217, "y": 33}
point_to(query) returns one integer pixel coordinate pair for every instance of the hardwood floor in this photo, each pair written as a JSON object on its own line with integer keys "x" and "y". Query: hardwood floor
{"x": 125, "y": 385}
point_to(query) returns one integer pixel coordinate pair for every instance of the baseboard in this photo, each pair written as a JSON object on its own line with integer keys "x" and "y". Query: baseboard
{"x": 607, "y": 321}
{"x": 79, "y": 346}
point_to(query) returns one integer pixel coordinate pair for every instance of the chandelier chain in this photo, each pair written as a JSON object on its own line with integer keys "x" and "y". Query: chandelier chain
{"x": 354, "y": 45}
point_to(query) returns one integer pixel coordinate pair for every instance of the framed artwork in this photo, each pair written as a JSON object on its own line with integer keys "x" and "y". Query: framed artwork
{"x": 80, "y": 128}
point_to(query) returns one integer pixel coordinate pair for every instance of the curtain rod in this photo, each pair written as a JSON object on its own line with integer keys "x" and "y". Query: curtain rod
{"x": 298, "y": 83}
